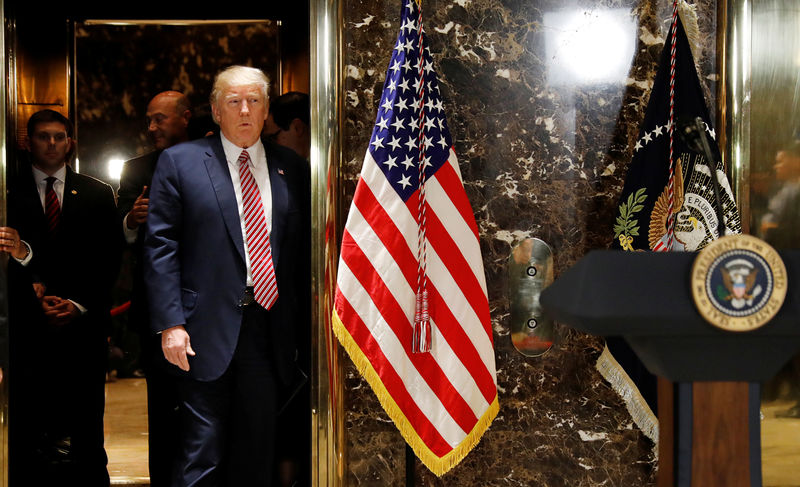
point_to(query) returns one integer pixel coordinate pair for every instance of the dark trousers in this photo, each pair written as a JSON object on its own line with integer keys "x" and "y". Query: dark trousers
{"x": 58, "y": 409}
{"x": 163, "y": 419}
{"x": 228, "y": 425}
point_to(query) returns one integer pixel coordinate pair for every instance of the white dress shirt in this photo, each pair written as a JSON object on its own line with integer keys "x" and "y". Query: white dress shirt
{"x": 130, "y": 234}
{"x": 258, "y": 165}
{"x": 58, "y": 185}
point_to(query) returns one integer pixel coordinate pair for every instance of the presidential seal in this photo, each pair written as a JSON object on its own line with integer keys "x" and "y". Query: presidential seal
{"x": 738, "y": 283}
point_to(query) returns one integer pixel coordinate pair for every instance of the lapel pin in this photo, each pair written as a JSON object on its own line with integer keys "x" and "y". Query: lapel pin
{"x": 74, "y": 191}
{"x": 280, "y": 171}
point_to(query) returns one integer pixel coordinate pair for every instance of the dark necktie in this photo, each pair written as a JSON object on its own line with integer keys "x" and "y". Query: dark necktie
{"x": 265, "y": 287}
{"x": 52, "y": 209}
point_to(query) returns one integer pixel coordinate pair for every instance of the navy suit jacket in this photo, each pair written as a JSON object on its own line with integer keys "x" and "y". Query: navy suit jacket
{"x": 194, "y": 257}
{"x": 81, "y": 261}
{"x": 136, "y": 174}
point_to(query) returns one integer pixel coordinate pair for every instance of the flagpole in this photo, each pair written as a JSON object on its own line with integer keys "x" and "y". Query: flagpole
{"x": 410, "y": 463}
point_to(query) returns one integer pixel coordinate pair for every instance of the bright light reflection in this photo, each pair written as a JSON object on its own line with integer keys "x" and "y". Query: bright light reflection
{"x": 115, "y": 168}
{"x": 589, "y": 47}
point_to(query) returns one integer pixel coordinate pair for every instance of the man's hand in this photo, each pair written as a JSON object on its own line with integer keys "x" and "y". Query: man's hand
{"x": 59, "y": 311}
{"x": 11, "y": 243}
{"x": 138, "y": 213}
{"x": 176, "y": 346}
{"x": 39, "y": 288}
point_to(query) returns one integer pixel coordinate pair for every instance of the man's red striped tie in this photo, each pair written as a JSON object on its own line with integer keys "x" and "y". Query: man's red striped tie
{"x": 52, "y": 209}
{"x": 258, "y": 247}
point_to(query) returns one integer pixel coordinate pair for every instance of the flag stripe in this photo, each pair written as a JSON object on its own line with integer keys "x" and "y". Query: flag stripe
{"x": 463, "y": 230}
{"x": 393, "y": 315}
{"x": 404, "y": 223}
{"x": 390, "y": 378}
{"x": 384, "y": 226}
{"x": 449, "y": 177}
{"x": 466, "y": 322}
{"x": 467, "y": 361}
{"x": 396, "y": 348}
{"x": 480, "y": 372}
{"x": 475, "y": 349}
{"x": 450, "y": 255}
{"x": 395, "y": 208}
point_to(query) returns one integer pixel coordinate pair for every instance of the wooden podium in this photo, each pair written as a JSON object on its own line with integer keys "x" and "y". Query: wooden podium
{"x": 645, "y": 297}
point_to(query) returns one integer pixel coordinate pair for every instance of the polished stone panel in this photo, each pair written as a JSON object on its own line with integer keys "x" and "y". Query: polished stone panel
{"x": 544, "y": 133}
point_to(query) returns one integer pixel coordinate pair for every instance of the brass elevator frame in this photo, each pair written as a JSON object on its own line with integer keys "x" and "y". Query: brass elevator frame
{"x": 326, "y": 89}
{"x": 734, "y": 96}
{"x": 4, "y": 137}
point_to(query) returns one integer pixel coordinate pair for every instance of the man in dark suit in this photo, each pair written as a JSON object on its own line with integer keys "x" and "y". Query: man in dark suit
{"x": 287, "y": 125}
{"x": 68, "y": 221}
{"x": 288, "y": 122}
{"x": 168, "y": 115}
{"x": 27, "y": 403}
{"x": 226, "y": 228}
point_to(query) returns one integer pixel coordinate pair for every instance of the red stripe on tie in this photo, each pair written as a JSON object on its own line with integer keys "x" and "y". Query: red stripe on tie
{"x": 265, "y": 286}
{"x": 52, "y": 207}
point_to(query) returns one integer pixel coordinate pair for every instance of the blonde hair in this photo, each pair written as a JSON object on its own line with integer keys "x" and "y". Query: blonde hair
{"x": 238, "y": 76}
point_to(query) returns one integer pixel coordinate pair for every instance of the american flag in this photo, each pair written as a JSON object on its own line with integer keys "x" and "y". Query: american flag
{"x": 403, "y": 238}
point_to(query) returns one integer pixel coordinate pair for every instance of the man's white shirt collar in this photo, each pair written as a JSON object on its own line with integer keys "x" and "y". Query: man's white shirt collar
{"x": 233, "y": 151}
{"x": 39, "y": 176}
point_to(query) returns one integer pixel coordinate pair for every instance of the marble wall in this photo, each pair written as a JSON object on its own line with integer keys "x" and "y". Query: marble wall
{"x": 543, "y": 150}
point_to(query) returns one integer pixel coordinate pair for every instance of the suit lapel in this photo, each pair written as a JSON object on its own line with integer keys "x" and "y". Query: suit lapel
{"x": 72, "y": 199}
{"x": 30, "y": 196}
{"x": 25, "y": 210}
{"x": 280, "y": 198}
{"x": 217, "y": 167}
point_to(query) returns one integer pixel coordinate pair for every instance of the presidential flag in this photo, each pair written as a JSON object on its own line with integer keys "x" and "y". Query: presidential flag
{"x": 668, "y": 201}
{"x": 411, "y": 307}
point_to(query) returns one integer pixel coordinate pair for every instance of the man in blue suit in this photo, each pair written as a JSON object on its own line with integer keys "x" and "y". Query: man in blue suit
{"x": 227, "y": 225}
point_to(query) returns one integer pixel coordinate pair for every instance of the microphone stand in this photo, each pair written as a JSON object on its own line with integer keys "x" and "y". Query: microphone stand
{"x": 700, "y": 133}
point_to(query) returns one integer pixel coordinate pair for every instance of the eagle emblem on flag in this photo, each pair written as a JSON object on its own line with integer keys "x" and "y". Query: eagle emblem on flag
{"x": 668, "y": 201}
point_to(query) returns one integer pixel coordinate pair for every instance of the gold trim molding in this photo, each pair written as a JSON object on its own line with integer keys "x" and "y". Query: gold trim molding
{"x": 733, "y": 97}
{"x": 7, "y": 100}
{"x": 328, "y": 453}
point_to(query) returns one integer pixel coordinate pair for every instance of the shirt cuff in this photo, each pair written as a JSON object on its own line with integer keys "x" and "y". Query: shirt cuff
{"x": 80, "y": 308}
{"x": 130, "y": 235}
{"x": 27, "y": 257}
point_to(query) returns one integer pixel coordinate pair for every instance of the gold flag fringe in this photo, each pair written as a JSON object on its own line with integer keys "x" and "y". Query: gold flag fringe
{"x": 688, "y": 14}
{"x": 437, "y": 465}
{"x": 622, "y": 384}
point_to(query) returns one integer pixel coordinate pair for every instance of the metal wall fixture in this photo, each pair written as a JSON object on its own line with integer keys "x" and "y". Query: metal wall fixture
{"x": 530, "y": 270}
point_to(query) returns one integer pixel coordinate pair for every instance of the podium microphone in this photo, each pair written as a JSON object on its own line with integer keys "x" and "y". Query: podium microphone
{"x": 693, "y": 134}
